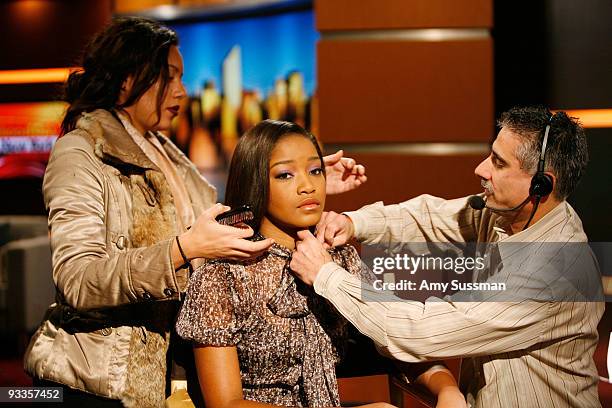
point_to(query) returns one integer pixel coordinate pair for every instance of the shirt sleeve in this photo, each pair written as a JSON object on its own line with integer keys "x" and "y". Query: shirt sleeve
{"x": 215, "y": 307}
{"x": 347, "y": 256}
{"x": 423, "y": 218}
{"x": 437, "y": 329}
{"x": 357, "y": 268}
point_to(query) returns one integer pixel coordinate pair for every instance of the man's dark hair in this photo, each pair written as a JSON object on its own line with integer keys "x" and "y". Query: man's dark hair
{"x": 249, "y": 174}
{"x": 128, "y": 46}
{"x": 566, "y": 150}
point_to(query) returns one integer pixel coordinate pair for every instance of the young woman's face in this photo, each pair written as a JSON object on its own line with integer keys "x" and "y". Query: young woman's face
{"x": 297, "y": 184}
{"x": 143, "y": 112}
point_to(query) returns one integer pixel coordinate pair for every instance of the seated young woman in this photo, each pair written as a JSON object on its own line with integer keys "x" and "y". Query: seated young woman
{"x": 262, "y": 338}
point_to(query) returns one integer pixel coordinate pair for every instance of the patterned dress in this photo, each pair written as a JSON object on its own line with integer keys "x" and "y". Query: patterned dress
{"x": 288, "y": 338}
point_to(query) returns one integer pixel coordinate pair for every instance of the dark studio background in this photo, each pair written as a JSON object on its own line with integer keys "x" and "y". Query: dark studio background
{"x": 552, "y": 52}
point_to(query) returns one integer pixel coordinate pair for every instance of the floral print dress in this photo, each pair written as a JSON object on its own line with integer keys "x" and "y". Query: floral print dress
{"x": 288, "y": 338}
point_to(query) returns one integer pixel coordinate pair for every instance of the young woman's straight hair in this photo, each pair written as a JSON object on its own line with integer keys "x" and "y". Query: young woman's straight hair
{"x": 129, "y": 46}
{"x": 248, "y": 182}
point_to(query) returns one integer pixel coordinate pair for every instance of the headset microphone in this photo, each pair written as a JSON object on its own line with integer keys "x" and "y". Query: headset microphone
{"x": 478, "y": 203}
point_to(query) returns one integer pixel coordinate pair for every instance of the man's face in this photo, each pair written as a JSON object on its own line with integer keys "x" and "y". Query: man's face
{"x": 506, "y": 184}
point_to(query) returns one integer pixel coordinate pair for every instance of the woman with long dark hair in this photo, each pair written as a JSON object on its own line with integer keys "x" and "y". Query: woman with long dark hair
{"x": 121, "y": 198}
{"x": 262, "y": 338}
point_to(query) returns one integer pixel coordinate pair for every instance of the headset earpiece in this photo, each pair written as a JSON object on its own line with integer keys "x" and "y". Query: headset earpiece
{"x": 541, "y": 185}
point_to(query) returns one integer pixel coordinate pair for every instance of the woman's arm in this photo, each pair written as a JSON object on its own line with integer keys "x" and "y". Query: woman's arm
{"x": 89, "y": 274}
{"x": 440, "y": 382}
{"x": 219, "y": 376}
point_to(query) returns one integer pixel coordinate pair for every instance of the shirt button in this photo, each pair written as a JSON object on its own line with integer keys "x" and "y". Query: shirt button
{"x": 168, "y": 292}
{"x": 147, "y": 296}
{"x": 121, "y": 242}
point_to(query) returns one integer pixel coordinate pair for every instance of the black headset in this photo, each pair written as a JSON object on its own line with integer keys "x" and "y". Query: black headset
{"x": 542, "y": 184}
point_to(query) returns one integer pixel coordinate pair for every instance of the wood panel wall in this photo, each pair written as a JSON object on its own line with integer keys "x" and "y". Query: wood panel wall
{"x": 406, "y": 72}
{"x": 384, "y": 14}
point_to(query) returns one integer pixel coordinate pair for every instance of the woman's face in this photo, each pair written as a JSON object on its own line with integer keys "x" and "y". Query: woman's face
{"x": 143, "y": 112}
{"x": 297, "y": 184}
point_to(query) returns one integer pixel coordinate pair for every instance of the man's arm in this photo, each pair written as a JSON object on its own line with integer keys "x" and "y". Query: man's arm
{"x": 422, "y": 219}
{"x": 437, "y": 329}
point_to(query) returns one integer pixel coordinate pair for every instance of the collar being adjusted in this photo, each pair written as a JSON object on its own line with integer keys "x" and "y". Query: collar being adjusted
{"x": 291, "y": 297}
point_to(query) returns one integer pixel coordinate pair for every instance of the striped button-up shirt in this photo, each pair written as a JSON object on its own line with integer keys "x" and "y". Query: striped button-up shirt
{"x": 523, "y": 353}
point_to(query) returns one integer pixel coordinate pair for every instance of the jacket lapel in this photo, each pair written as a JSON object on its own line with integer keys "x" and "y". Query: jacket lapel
{"x": 112, "y": 142}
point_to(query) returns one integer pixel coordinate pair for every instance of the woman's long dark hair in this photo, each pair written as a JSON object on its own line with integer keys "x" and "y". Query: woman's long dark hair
{"x": 249, "y": 175}
{"x": 128, "y": 46}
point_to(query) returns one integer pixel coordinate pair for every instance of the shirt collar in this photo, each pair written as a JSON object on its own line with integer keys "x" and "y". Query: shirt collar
{"x": 559, "y": 212}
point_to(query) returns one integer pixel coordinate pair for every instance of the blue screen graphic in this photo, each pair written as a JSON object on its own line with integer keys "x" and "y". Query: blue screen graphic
{"x": 271, "y": 47}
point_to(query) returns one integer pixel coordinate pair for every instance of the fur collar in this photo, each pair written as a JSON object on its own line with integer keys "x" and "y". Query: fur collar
{"x": 114, "y": 144}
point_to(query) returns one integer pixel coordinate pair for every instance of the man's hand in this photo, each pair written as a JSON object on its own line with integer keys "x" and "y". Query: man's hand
{"x": 334, "y": 229}
{"x": 308, "y": 257}
{"x": 343, "y": 174}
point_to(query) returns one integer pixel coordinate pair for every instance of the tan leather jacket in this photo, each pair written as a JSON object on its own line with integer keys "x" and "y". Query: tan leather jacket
{"x": 112, "y": 221}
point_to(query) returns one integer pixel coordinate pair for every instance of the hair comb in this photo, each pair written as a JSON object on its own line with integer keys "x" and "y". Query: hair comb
{"x": 239, "y": 215}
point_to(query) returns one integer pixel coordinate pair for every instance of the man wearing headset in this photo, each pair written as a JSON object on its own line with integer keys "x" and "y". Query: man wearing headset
{"x": 530, "y": 345}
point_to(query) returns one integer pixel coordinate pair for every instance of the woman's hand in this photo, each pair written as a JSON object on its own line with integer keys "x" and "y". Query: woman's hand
{"x": 209, "y": 239}
{"x": 451, "y": 397}
{"x": 342, "y": 173}
{"x": 440, "y": 381}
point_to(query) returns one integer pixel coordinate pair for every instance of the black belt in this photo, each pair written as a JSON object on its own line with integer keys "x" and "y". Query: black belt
{"x": 159, "y": 315}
